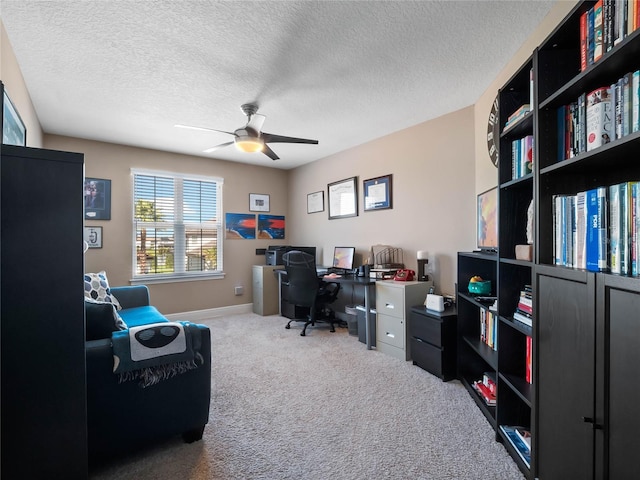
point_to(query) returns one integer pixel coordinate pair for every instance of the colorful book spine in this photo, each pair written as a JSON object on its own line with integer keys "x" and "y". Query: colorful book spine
{"x": 599, "y": 120}
{"x": 635, "y": 101}
{"x": 596, "y": 241}
{"x": 614, "y": 229}
{"x": 598, "y": 31}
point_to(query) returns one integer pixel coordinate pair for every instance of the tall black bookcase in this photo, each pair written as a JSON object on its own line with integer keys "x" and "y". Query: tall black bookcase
{"x": 587, "y": 334}
{"x": 581, "y": 404}
{"x": 42, "y": 334}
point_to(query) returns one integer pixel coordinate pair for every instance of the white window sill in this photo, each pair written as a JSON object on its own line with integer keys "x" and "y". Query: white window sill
{"x": 175, "y": 278}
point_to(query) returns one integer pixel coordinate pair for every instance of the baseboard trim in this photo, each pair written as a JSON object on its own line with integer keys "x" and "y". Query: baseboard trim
{"x": 199, "y": 315}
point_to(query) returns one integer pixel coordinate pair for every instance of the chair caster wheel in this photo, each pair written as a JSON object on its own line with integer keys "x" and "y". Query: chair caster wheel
{"x": 287, "y": 327}
{"x": 302, "y": 334}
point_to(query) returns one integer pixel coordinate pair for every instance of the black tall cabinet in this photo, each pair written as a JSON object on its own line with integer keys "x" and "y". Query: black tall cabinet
{"x": 43, "y": 394}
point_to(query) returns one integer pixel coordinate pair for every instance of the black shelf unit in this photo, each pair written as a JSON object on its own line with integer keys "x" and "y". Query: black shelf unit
{"x": 515, "y": 198}
{"x": 475, "y": 357}
{"x": 584, "y": 422}
{"x": 581, "y": 403}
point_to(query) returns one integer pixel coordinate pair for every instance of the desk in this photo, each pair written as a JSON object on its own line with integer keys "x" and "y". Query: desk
{"x": 366, "y": 282}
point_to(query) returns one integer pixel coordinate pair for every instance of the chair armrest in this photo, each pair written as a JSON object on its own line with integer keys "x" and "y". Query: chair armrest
{"x": 131, "y": 296}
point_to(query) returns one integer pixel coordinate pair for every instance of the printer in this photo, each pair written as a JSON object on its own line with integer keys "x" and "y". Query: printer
{"x": 273, "y": 255}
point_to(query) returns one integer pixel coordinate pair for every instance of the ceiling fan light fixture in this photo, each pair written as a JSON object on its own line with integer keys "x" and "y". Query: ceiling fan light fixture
{"x": 249, "y": 144}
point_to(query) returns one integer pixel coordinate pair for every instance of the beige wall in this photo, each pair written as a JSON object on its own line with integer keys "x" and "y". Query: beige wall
{"x": 114, "y": 162}
{"x": 16, "y": 89}
{"x": 433, "y": 196}
{"x": 486, "y": 174}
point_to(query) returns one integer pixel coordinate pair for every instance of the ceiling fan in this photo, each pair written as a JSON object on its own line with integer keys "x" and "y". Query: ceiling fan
{"x": 251, "y": 138}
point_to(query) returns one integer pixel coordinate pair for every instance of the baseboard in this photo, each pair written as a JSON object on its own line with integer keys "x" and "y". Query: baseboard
{"x": 199, "y": 315}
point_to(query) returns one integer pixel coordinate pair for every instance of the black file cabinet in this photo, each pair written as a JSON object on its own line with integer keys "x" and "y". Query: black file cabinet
{"x": 433, "y": 340}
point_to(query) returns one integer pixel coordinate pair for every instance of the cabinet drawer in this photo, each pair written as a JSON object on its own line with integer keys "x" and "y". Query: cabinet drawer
{"x": 390, "y": 301}
{"x": 427, "y": 357}
{"x": 390, "y": 330}
{"x": 426, "y": 328}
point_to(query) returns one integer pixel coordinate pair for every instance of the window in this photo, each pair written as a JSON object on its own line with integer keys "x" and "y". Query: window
{"x": 177, "y": 225}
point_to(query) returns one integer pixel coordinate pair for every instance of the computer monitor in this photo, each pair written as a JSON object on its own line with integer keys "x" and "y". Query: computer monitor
{"x": 343, "y": 257}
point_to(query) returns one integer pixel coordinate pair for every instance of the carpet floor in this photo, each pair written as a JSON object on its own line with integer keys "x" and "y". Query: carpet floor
{"x": 322, "y": 407}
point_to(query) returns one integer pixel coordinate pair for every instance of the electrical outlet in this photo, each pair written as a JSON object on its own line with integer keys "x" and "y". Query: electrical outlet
{"x": 238, "y": 291}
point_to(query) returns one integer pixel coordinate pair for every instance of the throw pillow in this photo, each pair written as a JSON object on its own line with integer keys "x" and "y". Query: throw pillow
{"x": 101, "y": 319}
{"x": 96, "y": 287}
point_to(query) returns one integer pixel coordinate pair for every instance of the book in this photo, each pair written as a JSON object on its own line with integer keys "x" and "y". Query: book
{"x": 596, "y": 238}
{"x": 590, "y": 37}
{"x": 635, "y": 101}
{"x": 484, "y": 392}
{"x": 625, "y": 227}
{"x": 489, "y": 380}
{"x": 614, "y": 228}
{"x": 520, "y": 446}
{"x": 525, "y": 435}
{"x": 583, "y": 42}
{"x": 522, "y": 318}
{"x": 599, "y": 121}
{"x": 598, "y": 31}
{"x": 635, "y": 223}
{"x": 608, "y": 13}
{"x": 580, "y": 258}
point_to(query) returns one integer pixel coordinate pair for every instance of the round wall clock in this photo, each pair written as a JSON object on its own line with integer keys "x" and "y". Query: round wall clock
{"x": 493, "y": 133}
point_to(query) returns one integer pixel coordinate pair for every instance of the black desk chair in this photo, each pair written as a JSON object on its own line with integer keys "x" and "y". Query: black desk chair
{"x": 307, "y": 290}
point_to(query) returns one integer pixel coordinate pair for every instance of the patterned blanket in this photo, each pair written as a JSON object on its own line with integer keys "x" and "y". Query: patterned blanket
{"x": 155, "y": 352}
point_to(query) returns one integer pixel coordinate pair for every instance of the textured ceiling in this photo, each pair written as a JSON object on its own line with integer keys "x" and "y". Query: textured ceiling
{"x": 341, "y": 72}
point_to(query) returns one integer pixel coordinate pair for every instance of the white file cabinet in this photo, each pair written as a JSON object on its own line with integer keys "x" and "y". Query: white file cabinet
{"x": 393, "y": 305}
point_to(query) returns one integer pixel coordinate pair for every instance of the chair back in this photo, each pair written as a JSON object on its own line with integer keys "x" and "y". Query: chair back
{"x": 299, "y": 259}
{"x": 301, "y": 277}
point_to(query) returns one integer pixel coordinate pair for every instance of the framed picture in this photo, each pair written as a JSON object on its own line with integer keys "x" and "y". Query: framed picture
{"x": 377, "y": 193}
{"x": 93, "y": 236}
{"x": 258, "y": 202}
{"x": 240, "y": 226}
{"x": 315, "y": 202}
{"x": 13, "y": 130}
{"x": 97, "y": 199}
{"x": 271, "y": 227}
{"x": 343, "y": 198}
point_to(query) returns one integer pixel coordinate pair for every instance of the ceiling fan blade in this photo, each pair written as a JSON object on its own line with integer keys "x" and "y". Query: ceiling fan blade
{"x": 209, "y": 150}
{"x": 204, "y": 129}
{"x": 270, "y": 153}
{"x": 256, "y": 121}
{"x": 269, "y": 138}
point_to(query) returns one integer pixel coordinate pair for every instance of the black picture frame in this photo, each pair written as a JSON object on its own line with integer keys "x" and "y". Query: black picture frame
{"x": 378, "y": 193}
{"x": 14, "y": 131}
{"x": 343, "y": 198}
{"x": 315, "y": 202}
{"x": 259, "y": 202}
{"x": 97, "y": 199}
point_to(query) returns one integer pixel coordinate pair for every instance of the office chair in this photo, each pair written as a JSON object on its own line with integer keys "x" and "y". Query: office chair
{"x": 307, "y": 290}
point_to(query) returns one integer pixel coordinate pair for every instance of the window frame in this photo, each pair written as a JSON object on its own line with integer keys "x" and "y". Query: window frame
{"x": 178, "y": 225}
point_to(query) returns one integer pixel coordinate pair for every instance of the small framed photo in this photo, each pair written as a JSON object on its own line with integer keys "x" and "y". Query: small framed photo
{"x": 97, "y": 199}
{"x": 377, "y": 193}
{"x": 258, "y": 202}
{"x": 343, "y": 198}
{"x": 315, "y": 202}
{"x": 93, "y": 236}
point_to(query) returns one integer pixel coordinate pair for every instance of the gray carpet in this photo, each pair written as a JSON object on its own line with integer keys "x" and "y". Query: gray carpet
{"x": 322, "y": 407}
